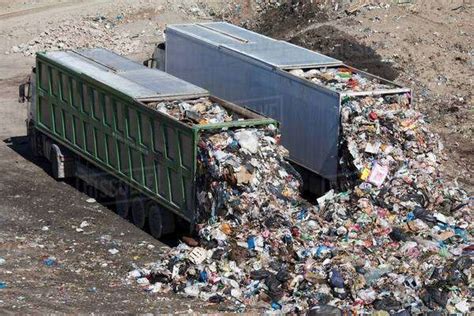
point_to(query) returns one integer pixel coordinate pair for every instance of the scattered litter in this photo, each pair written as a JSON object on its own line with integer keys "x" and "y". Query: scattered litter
{"x": 463, "y": 306}
{"x": 113, "y": 251}
{"x": 2, "y": 261}
{"x": 50, "y": 261}
{"x": 104, "y": 239}
{"x": 197, "y": 255}
{"x": 91, "y": 200}
{"x": 3, "y": 285}
{"x": 92, "y": 289}
{"x": 45, "y": 228}
{"x": 190, "y": 241}
{"x": 378, "y": 174}
{"x": 247, "y": 140}
{"x": 143, "y": 281}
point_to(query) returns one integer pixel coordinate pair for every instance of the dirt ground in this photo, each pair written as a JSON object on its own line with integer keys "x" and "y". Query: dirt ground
{"x": 426, "y": 47}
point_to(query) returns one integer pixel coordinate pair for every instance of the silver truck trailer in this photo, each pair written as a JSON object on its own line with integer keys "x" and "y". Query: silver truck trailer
{"x": 261, "y": 74}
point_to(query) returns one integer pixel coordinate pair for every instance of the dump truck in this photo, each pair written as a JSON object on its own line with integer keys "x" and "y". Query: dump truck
{"x": 261, "y": 74}
{"x": 90, "y": 115}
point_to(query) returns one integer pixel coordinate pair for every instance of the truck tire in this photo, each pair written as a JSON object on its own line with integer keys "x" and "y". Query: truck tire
{"x": 54, "y": 164}
{"x": 122, "y": 202}
{"x": 33, "y": 143}
{"x": 155, "y": 220}
{"x": 160, "y": 220}
{"x": 138, "y": 211}
{"x": 92, "y": 191}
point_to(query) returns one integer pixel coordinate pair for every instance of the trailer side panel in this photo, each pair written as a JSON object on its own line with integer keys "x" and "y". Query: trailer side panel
{"x": 308, "y": 114}
{"x": 149, "y": 151}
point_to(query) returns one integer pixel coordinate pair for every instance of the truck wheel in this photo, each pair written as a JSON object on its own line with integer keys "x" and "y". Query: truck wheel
{"x": 138, "y": 211}
{"x": 160, "y": 221}
{"x": 92, "y": 191}
{"x": 32, "y": 140}
{"x": 54, "y": 164}
{"x": 122, "y": 202}
{"x": 155, "y": 220}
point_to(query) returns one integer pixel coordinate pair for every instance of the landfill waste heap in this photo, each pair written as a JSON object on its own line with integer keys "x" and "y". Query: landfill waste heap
{"x": 200, "y": 111}
{"x": 396, "y": 238}
{"x": 341, "y": 79}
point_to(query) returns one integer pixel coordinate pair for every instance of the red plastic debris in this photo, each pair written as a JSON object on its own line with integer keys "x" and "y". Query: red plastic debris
{"x": 373, "y": 116}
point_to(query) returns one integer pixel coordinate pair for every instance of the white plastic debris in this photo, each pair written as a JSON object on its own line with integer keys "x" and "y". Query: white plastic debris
{"x": 192, "y": 290}
{"x": 113, "y": 251}
{"x": 326, "y": 197}
{"x": 143, "y": 281}
{"x": 463, "y": 306}
{"x": 248, "y": 140}
{"x": 378, "y": 174}
{"x": 297, "y": 72}
{"x": 134, "y": 274}
{"x": 198, "y": 255}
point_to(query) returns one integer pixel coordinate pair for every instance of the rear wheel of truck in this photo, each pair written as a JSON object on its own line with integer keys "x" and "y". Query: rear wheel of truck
{"x": 33, "y": 142}
{"x": 122, "y": 202}
{"x": 54, "y": 164}
{"x": 138, "y": 211}
{"x": 92, "y": 191}
{"x": 155, "y": 220}
{"x": 160, "y": 220}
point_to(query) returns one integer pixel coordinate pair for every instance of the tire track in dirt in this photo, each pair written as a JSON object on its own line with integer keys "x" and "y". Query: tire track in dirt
{"x": 24, "y": 12}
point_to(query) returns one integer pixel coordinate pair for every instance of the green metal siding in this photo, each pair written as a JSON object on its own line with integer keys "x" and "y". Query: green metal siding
{"x": 140, "y": 146}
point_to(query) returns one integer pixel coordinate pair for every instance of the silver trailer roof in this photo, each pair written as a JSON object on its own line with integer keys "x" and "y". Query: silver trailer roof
{"x": 272, "y": 52}
{"x": 124, "y": 75}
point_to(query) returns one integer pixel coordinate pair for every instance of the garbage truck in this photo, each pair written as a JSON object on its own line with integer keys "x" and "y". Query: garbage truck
{"x": 90, "y": 115}
{"x": 299, "y": 88}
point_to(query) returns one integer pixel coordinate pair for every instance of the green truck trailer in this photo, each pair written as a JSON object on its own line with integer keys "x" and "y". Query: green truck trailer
{"x": 89, "y": 114}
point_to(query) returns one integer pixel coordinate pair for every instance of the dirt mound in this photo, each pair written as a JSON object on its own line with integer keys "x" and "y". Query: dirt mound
{"x": 298, "y": 24}
{"x": 279, "y": 21}
{"x": 330, "y": 41}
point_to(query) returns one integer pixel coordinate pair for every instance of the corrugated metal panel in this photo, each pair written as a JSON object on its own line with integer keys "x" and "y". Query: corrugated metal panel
{"x": 267, "y": 50}
{"x": 122, "y": 74}
{"x": 308, "y": 113}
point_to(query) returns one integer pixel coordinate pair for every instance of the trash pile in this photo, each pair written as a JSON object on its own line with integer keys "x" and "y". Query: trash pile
{"x": 396, "y": 240}
{"x": 199, "y": 111}
{"x": 341, "y": 79}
